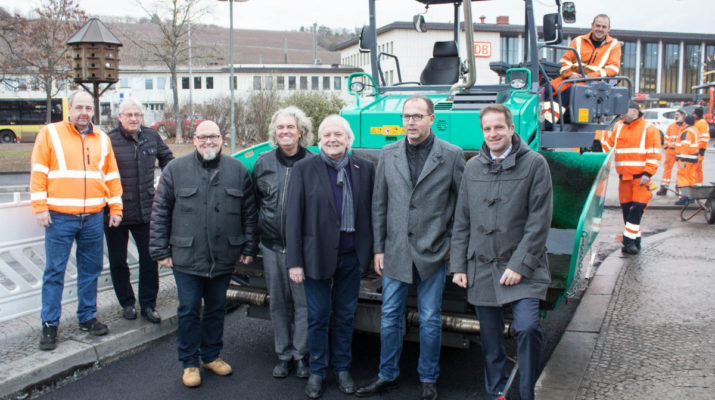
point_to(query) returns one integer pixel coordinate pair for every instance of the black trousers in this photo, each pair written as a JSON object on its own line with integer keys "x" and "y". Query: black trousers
{"x": 117, "y": 239}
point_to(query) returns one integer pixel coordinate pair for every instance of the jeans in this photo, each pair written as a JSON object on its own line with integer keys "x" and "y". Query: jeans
{"x": 200, "y": 334}
{"x": 341, "y": 295}
{"x": 117, "y": 239}
{"x": 429, "y": 305}
{"x": 289, "y": 313}
{"x": 65, "y": 229}
{"x": 529, "y": 344}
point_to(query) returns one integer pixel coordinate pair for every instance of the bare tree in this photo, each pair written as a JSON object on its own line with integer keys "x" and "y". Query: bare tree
{"x": 36, "y": 46}
{"x": 172, "y": 17}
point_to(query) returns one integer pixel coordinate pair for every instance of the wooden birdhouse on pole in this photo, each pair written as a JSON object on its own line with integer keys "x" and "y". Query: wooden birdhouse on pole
{"x": 95, "y": 59}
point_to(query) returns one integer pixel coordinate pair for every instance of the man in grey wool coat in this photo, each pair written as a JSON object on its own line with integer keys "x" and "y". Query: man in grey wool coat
{"x": 501, "y": 224}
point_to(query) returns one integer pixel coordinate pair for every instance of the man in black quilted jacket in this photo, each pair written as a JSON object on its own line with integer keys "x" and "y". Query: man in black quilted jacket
{"x": 137, "y": 149}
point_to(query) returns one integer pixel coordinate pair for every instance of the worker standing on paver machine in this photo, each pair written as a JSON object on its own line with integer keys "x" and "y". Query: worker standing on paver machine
{"x": 672, "y": 136}
{"x": 637, "y": 144}
{"x": 687, "y": 156}
{"x": 702, "y": 127}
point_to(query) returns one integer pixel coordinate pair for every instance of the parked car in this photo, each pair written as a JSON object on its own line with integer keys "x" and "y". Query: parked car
{"x": 164, "y": 127}
{"x": 660, "y": 117}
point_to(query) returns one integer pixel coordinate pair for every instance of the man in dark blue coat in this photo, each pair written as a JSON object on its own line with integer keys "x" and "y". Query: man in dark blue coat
{"x": 136, "y": 148}
{"x": 328, "y": 244}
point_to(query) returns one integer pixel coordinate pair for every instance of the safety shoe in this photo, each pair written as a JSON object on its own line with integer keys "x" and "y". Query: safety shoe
{"x": 429, "y": 391}
{"x": 630, "y": 248}
{"x": 48, "y": 341}
{"x": 218, "y": 367}
{"x": 282, "y": 369}
{"x": 129, "y": 312}
{"x": 151, "y": 315}
{"x": 346, "y": 384}
{"x": 662, "y": 191}
{"x": 192, "y": 377}
{"x": 94, "y": 327}
{"x": 303, "y": 369}
{"x": 314, "y": 388}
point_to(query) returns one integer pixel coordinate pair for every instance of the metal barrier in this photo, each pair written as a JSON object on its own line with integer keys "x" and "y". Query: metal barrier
{"x": 22, "y": 262}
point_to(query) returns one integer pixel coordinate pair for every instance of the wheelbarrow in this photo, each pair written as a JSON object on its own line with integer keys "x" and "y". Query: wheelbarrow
{"x": 704, "y": 197}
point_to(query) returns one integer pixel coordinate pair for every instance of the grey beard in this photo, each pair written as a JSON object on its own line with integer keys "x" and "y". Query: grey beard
{"x": 209, "y": 155}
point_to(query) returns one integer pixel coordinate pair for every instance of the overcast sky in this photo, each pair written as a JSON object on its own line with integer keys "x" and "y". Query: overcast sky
{"x": 691, "y": 16}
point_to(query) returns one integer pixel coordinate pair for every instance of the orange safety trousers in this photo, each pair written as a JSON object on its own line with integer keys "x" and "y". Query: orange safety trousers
{"x": 699, "y": 170}
{"x": 668, "y": 163}
{"x": 687, "y": 174}
{"x": 634, "y": 199}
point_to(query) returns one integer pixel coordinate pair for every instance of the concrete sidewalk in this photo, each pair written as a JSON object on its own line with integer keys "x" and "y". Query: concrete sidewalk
{"x": 645, "y": 327}
{"x": 23, "y": 366}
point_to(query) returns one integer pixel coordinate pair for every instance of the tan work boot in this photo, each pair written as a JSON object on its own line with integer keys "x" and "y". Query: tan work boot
{"x": 191, "y": 377}
{"x": 218, "y": 367}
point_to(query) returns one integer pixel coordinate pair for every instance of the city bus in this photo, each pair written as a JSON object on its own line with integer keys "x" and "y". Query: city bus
{"x": 21, "y": 119}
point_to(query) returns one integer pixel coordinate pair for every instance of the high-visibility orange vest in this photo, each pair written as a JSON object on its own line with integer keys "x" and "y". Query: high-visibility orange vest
{"x": 74, "y": 175}
{"x": 637, "y": 148}
{"x": 687, "y": 149}
{"x": 702, "y": 126}
{"x": 597, "y": 62}
{"x": 672, "y": 135}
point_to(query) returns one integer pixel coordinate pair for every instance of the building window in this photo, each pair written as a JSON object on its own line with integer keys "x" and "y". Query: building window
{"x": 291, "y": 83}
{"x": 510, "y": 49}
{"x": 197, "y": 82}
{"x": 281, "y": 82}
{"x": 691, "y": 67}
{"x": 123, "y": 82}
{"x": 269, "y": 83}
{"x": 709, "y": 63}
{"x": 314, "y": 83}
{"x": 161, "y": 83}
{"x": 671, "y": 71}
{"x": 336, "y": 82}
{"x": 256, "y": 83}
{"x": 628, "y": 61}
{"x": 149, "y": 83}
{"x": 303, "y": 83}
{"x": 209, "y": 82}
{"x": 649, "y": 67}
{"x": 326, "y": 83}
{"x": 184, "y": 83}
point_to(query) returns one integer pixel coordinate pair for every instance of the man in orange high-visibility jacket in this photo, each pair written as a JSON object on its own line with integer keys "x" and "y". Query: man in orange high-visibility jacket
{"x": 600, "y": 55}
{"x": 687, "y": 156}
{"x": 74, "y": 176}
{"x": 702, "y": 126}
{"x": 671, "y": 138}
{"x": 637, "y": 148}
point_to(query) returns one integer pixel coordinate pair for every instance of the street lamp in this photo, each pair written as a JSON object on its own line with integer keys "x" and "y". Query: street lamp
{"x": 230, "y": 79}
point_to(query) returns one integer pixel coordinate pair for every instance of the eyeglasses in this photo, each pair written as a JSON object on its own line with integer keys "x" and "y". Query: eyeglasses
{"x": 133, "y": 115}
{"x": 414, "y": 117}
{"x": 205, "y": 138}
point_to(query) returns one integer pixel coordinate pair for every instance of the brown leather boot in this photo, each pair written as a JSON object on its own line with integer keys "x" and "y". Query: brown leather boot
{"x": 218, "y": 367}
{"x": 192, "y": 377}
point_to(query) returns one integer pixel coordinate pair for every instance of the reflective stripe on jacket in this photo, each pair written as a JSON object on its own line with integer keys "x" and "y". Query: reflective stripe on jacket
{"x": 72, "y": 174}
{"x": 637, "y": 148}
{"x": 672, "y": 135}
{"x": 601, "y": 61}
{"x": 702, "y": 126}
{"x": 687, "y": 149}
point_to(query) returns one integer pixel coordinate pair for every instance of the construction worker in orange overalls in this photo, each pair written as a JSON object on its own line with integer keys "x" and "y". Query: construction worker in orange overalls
{"x": 600, "y": 55}
{"x": 671, "y": 138}
{"x": 686, "y": 155}
{"x": 702, "y": 126}
{"x": 637, "y": 148}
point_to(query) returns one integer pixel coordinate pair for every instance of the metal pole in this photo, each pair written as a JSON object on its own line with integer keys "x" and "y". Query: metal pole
{"x": 97, "y": 121}
{"x": 191, "y": 88}
{"x": 230, "y": 79}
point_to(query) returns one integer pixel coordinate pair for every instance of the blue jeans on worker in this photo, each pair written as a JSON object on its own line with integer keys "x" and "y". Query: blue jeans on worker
{"x": 199, "y": 335}
{"x": 117, "y": 239}
{"x": 341, "y": 295}
{"x": 86, "y": 230}
{"x": 429, "y": 306}
{"x": 529, "y": 345}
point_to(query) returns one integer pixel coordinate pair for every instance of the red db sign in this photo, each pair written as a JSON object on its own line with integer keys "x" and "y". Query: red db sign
{"x": 482, "y": 49}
